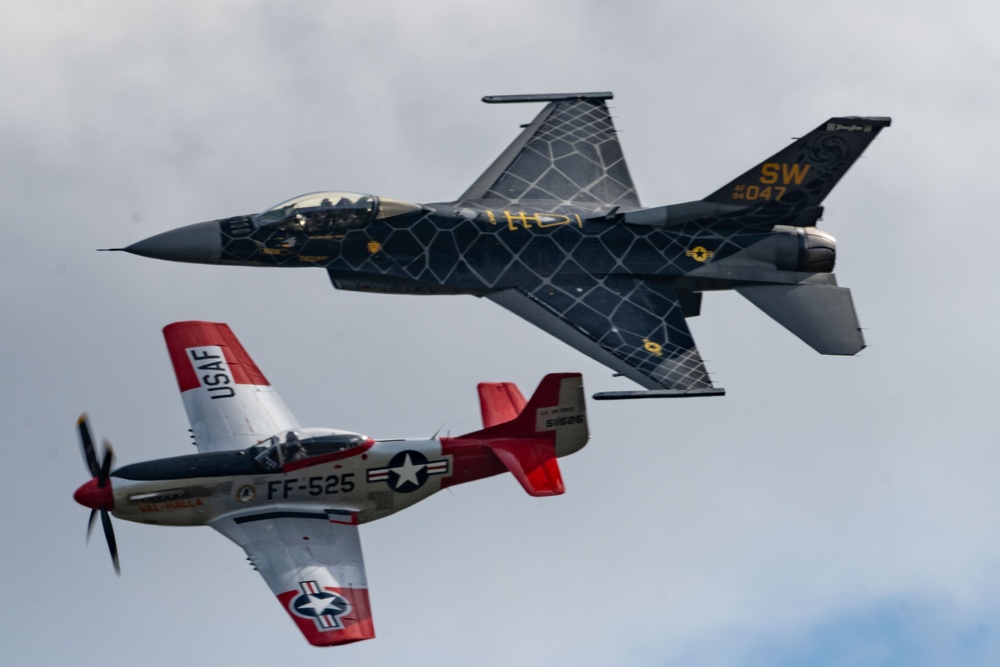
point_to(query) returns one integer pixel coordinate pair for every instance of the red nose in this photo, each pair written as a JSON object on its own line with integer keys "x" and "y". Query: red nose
{"x": 95, "y": 497}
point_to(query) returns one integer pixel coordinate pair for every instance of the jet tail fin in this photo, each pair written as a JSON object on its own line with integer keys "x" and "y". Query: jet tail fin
{"x": 823, "y": 316}
{"x": 527, "y": 437}
{"x": 802, "y": 174}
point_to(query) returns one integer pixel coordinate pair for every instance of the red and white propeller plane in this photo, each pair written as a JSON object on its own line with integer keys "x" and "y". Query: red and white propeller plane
{"x": 293, "y": 497}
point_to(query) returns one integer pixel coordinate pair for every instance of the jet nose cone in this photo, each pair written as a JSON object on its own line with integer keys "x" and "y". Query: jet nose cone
{"x": 95, "y": 497}
{"x": 200, "y": 243}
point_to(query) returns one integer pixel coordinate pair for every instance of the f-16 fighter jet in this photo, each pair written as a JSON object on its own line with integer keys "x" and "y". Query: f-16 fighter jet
{"x": 293, "y": 497}
{"x": 553, "y": 231}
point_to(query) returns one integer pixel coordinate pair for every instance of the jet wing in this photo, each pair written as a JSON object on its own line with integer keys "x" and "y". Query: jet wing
{"x": 229, "y": 402}
{"x": 313, "y": 564}
{"x": 634, "y": 326}
{"x": 569, "y": 154}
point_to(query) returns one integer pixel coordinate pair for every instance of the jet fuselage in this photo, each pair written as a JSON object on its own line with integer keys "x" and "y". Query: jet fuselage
{"x": 456, "y": 248}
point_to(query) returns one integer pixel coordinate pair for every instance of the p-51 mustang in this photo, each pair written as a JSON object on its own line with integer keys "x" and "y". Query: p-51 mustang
{"x": 554, "y": 231}
{"x": 293, "y": 497}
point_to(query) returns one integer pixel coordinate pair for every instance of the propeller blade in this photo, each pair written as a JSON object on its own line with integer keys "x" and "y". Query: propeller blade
{"x": 90, "y": 524}
{"x": 87, "y": 442}
{"x": 105, "y": 470}
{"x": 101, "y": 471}
{"x": 109, "y": 534}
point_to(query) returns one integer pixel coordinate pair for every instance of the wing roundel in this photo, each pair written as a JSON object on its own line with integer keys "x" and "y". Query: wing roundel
{"x": 313, "y": 564}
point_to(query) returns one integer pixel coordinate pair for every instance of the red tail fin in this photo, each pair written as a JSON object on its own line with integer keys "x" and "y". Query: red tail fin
{"x": 527, "y": 437}
{"x": 499, "y": 402}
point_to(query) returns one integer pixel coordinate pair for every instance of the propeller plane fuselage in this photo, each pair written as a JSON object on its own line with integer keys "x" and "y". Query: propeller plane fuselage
{"x": 349, "y": 469}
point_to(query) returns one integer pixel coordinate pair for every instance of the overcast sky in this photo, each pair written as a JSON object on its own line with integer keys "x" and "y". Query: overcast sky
{"x": 827, "y": 511}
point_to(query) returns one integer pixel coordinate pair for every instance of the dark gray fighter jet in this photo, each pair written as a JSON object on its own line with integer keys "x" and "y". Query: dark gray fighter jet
{"x": 554, "y": 231}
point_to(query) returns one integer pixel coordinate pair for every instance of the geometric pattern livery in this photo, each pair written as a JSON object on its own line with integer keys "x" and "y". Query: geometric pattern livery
{"x": 636, "y": 327}
{"x": 640, "y": 322}
{"x": 553, "y": 230}
{"x": 571, "y": 157}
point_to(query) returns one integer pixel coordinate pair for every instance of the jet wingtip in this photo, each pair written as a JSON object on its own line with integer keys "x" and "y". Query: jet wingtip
{"x": 848, "y": 122}
{"x": 658, "y": 393}
{"x": 547, "y": 97}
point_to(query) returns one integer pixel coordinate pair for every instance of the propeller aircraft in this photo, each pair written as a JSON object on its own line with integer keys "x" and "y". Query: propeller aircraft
{"x": 554, "y": 231}
{"x": 293, "y": 497}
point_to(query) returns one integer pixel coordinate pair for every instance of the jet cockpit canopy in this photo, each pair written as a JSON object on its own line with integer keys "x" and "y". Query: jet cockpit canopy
{"x": 319, "y": 213}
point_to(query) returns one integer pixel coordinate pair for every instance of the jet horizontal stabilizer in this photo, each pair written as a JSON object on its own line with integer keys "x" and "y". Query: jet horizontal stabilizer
{"x": 658, "y": 393}
{"x": 546, "y": 97}
{"x": 823, "y": 316}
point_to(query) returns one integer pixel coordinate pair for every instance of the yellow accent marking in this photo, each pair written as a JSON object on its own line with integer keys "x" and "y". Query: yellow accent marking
{"x": 316, "y": 258}
{"x": 374, "y": 247}
{"x": 551, "y": 219}
{"x": 700, "y": 253}
{"x": 794, "y": 172}
{"x": 769, "y": 173}
{"x": 275, "y": 251}
{"x": 521, "y": 217}
{"x": 653, "y": 347}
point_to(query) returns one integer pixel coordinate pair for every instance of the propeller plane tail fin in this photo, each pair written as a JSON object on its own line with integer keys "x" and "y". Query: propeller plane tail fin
{"x": 528, "y": 436}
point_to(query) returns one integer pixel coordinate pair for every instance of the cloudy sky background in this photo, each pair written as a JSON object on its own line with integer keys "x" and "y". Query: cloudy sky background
{"x": 827, "y": 511}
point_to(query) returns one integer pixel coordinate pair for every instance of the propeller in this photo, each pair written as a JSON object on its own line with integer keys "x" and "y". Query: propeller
{"x": 96, "y": 494}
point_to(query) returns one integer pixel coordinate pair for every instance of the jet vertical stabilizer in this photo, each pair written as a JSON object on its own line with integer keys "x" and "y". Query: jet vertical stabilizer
{"x": 801, "y": 175}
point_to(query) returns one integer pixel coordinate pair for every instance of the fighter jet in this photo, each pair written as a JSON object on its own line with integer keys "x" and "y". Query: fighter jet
{"x": 293, "y": 497}
{"x": 554, "y": 231}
